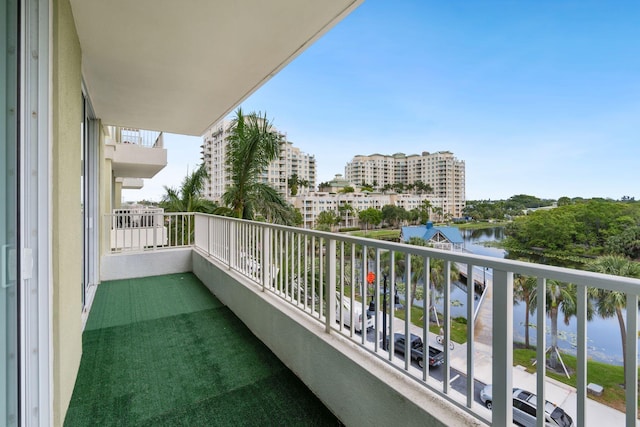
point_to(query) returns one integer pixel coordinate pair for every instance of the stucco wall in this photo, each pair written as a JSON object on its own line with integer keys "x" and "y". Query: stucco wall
{"x": 117, "y": 194}
{"x": 104, "y": 201}
{"x": 143, "y": 264}
{"x": 66, "y": 215}
{"x": 358, "y": 388}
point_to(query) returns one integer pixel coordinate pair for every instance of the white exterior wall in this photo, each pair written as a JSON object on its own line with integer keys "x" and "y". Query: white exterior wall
{"x": 214, "y": 151}
{"x": 310, "y": 205}
{"x": 291, "y": 160}
{"x": 442, "y": 170}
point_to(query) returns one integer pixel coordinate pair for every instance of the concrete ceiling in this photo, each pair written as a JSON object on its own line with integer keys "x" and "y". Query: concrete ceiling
{"x": 180, "y": 66}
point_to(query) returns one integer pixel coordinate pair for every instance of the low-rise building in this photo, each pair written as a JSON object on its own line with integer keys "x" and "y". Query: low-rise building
{"x": 347, "y": 205}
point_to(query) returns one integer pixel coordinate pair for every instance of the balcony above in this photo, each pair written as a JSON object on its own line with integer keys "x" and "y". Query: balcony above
{"x": 131, "y": 183}
{"x": 134, "y": 155}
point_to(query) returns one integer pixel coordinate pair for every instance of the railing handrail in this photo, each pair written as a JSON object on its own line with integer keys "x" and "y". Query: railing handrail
{"x": 139, "y": 137}
{"x": 563, "y": 274}
{"x": 247, "y": 247}
{"x": 137, "y": 230}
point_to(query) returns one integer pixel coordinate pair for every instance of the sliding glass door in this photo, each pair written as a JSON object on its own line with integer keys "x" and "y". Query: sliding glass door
{"x": 9, "y": 63}
{"x": 89, "y": 202}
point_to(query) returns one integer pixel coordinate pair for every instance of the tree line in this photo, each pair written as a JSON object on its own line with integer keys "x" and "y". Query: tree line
{"x": 390, "y": 215}
{"x": 596, "y": 235}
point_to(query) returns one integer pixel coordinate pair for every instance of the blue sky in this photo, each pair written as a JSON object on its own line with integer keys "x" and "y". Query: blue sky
{"x": 537, "y": 97}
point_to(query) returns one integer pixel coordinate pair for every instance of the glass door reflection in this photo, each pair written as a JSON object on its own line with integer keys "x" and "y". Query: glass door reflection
{"x": 9, "y": 48}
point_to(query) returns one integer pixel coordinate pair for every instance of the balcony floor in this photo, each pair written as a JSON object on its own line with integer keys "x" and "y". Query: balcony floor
{"x": 163, "y": 351}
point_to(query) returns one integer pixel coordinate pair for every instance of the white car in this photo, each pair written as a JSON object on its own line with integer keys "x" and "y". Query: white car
{"x": 346, "y": 314}
{"x": 524, "y": 409}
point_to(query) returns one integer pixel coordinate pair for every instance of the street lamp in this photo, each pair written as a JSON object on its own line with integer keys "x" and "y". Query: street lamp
{"x": 384, "y": 312}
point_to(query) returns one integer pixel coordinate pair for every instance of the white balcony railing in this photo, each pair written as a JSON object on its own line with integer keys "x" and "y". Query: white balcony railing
{"x": 310, "y": 270}
{"x": 140, "y": 137}
{"x": 149, "y": 229}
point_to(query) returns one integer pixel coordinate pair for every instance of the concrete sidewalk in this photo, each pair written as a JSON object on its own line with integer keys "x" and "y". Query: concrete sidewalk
{"x": 561, "y": 394}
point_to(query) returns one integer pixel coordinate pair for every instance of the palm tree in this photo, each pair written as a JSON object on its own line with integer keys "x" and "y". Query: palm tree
{"x": 611, "y": 303}
{"x": 436, "y": 273}
{"x": 344, "y": 211}
{"x": 424, "y": 209}
{"x": 561, "y": 297}
{"x": 292, "y": 182}
{"x": 417, "y": 272}
{"x": 523, "y": 289}
{"x": 253, "y": 144}
{"x": 438, "y": 279}
{"x": 304, "y": 183}
{"x": 438, "y": 211}
{"x": 421, "y": 187}
{"x": 188, "y": 198}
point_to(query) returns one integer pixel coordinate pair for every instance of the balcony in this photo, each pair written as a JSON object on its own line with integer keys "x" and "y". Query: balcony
{"x": 131, "y": 183}
{"x": 279, "y": 281}
{"x": 136, "y": 155}
{"x": 163, "y": 350}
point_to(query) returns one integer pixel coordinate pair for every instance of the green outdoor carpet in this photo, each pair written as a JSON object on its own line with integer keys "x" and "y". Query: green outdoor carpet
{"x": 163, "y": 351}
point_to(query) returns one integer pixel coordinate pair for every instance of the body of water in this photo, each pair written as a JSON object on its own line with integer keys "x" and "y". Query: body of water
{"x": 603, "y": 335}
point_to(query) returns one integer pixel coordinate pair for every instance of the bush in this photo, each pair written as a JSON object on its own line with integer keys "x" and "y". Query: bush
{"x": 461, "y": 320}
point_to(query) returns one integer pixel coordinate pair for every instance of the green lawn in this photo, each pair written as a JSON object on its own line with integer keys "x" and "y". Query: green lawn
{"x": 480, "y": 225}
{"x": 610, "y": 377}
{"x": 458, "y": 325}
{"x": 377, "y": 234}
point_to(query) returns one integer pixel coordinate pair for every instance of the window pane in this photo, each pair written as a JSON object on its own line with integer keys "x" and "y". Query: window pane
{"x": 8, "y": 212}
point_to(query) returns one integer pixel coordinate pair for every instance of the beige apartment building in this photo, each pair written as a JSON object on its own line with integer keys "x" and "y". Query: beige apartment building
{"x": 441, "y": 170}
{"x": 312, "y": 204}
{"x": 292, "y": 161}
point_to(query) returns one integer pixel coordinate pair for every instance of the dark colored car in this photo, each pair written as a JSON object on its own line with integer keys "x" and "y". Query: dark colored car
{"x": 436, "y": 357}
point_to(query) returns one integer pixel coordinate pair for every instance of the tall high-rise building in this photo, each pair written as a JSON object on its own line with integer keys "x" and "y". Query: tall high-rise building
{"x": 291, "y": 161}
{"x": 441, "y": 170}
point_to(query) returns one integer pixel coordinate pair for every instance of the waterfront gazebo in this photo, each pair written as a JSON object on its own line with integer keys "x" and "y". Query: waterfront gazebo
{"x": 448, "y": 238}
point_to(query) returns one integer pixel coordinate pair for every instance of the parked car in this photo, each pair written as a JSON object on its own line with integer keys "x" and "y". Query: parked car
{"x": 357, "y": 310}
{"x": 524, "y": 409}
{"x": 436, "y": 357}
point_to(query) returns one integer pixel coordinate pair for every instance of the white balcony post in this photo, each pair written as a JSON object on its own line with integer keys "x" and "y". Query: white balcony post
{"x": 581, "y": 366}
{"x": 209, "y": 236}
{"x": 330, "y": 288}
{"x": 407, "y": 311}
{"x": 471, "y": 291}
{"x": 541, "y": 343}
{"x": 446, "y": 327}
{"x": 502, "y": 340}
{"x": 155, "y": 237}
{"x": 266, "y": 258}
{"x": 631, "y": 356}
{"x": 232, "y": 243}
